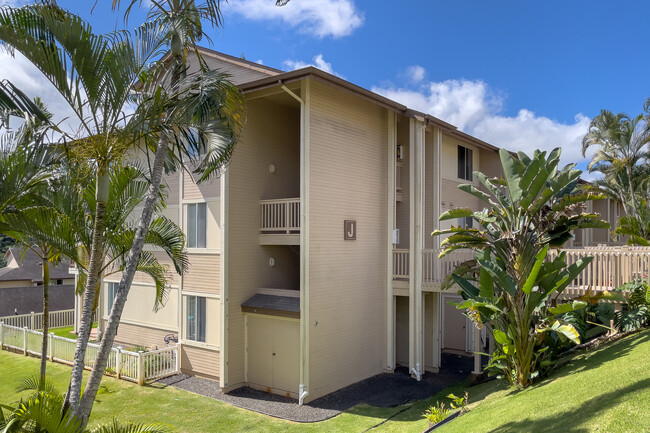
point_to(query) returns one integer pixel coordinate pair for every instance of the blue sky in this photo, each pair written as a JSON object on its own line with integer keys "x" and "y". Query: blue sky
{"x": 518, "y": 74}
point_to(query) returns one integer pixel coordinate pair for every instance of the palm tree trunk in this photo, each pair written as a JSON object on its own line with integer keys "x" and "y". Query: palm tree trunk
{"x": 632, "y": 194}
{"x": 72, "y": 399}
{"x": 45, "y": 267}
{"x": 110, "y": 332}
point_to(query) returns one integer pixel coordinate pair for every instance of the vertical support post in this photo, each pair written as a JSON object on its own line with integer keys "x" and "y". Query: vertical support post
{"x": 477, "y": 350}
{"x": 177, "y": 355}
{"x": 118, "y": 362}
{"x": 140, "y": 368}
{"x": 50, "y": 348}
{"x": 2, "y": 335}
{"x": 31, "y": 320}
{"x": 390, "y": 301}
{"x": 25, "y": 340}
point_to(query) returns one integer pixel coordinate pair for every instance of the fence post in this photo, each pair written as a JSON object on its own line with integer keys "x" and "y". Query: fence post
{"x": 25, "y": 340}
{"x": 50, "y": 346}
{"x": 178, "y": 356}
{"x": 2, "y": 335}
{"x": 31, "y": 320}
{"x": 118, "y": 362}
{"x": 140, "y": 368}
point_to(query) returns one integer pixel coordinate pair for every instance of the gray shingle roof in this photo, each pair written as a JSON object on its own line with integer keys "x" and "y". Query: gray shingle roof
{"x": 273, "y": 305}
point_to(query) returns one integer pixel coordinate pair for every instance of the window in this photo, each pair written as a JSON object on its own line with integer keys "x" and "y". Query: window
{"x": 112, "y": 291}
{"x": 195, "y": 325}
{"x": 465, "y": 167}
{"x": 196, "y": 224}
{"x": 466, "y": 222}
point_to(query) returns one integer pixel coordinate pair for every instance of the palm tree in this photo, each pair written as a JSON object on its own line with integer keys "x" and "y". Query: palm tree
{"x": 24, "y": 163}
{"x": 207, "y": 125}
{"x": 43, "y": 411}
{"x": 621, "y": 142}
{"x": 96, "y": 75}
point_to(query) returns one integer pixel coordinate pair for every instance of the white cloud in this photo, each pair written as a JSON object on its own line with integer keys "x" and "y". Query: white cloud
{"x": 477, "y": 110}
{"x": 319, "y": 18}
{"x": 13, "y": 3}
{"x": 318, "y": 62}
{"x": 415, "y": 73}
{"x": 22, "y": 74}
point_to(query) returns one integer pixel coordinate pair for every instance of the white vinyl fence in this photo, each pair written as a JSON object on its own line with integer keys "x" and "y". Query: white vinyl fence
{"x": 123, "y": 364}
{"x": 34, "y": 321}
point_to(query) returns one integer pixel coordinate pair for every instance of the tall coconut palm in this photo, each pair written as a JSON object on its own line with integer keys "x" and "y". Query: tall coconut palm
{"x": 621, "y": 143}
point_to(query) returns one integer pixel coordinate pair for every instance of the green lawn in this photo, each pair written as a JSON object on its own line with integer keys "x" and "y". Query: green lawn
{"x": 66, "y": 332}
{"x": 607, "y": 390}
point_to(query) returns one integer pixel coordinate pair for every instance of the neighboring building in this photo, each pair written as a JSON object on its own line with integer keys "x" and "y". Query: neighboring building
{"x": 610, "y": 211}
{"x": 21, "y": 284}
{"x": 300, "y": 254}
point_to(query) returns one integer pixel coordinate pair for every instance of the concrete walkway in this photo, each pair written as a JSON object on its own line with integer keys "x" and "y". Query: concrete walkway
{"x": 383, "y": 390}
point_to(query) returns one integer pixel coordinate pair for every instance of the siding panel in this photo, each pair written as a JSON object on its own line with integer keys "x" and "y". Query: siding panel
{"x": 348, "y": 159}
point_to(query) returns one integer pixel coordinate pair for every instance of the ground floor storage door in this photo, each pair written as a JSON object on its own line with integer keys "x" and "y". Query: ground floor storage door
{"x": 454, "y": 328}
{"x": 273, "y": 352}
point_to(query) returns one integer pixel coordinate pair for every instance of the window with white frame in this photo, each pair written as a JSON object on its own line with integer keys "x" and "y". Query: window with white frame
{"x": 195, "y": 318}
{"x": 465, "y": 163}
{"x": 466, "y": 222}
{"x": 196, "y": 225}
{"x": 111, "y": 292}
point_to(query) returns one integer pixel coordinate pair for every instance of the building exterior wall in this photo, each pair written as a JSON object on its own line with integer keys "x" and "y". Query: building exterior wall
{"x": 271, "y": 137}
{"x": 347, "y": 300}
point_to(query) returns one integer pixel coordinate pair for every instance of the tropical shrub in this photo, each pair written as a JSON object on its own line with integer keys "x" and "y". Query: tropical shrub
{"x": 636, "y": 311}
{"x": 437, "y": 413}
{"x": 511, "y": 286}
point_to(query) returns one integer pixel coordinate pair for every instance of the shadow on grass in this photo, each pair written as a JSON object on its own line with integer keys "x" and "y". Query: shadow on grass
{"x": 583, "y": 361}
{"x": 570, "y": 422}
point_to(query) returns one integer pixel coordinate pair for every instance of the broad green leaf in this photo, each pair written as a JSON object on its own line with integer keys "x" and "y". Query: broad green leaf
{"x": 501, "y": 337}
{"x": 456, "y": 213}
{"x": 511, "y": 169}
{"x": 532, "y": 278}
{"x": 567, "y": 307}
{"x": 466, "y": 286}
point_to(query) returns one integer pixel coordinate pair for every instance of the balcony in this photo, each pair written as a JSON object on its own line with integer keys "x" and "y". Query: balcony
{"x": 434, "y": 270}
{"x": 280, "y": 221}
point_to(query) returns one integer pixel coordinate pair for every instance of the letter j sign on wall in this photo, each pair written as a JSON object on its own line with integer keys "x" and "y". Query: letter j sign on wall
{"x": 350, "y": 230}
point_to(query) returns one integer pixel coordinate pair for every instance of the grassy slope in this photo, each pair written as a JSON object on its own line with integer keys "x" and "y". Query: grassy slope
{"x": 607, "y": 390}
{"x": 610, "y": 394}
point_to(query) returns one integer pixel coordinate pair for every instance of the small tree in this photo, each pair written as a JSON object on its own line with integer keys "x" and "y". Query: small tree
{"x": 511, "y": 286}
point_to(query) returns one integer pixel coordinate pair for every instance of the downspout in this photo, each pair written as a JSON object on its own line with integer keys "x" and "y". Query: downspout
{"x": 304, "y": 261}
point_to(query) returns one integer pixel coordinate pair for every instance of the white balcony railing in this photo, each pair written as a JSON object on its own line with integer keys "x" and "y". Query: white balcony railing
{"x": 610, "y": 268}
{"x": 280, "y": 216}
{"x": 434, "y": 270}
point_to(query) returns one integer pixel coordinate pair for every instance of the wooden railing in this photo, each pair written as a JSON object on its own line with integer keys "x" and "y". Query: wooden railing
{"x": 133, "y": 366}
{"x": 280, "y": 216}
{"x": 400, "y": 264}
{"x": 33, "y": 321}
{"x": 434, "y": 270}
{"x": 611, "y": 267}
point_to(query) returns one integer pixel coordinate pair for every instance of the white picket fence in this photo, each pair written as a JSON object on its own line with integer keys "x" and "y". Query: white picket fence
{"x": 132, "y": 366}
{"x": 34, "y": 321}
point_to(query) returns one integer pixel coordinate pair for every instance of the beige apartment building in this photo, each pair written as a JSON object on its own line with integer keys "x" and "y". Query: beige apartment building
{"x": 300, "y": 254}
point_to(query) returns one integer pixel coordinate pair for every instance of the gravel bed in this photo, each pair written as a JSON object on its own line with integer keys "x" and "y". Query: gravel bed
{"x": 383, "y": 390}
